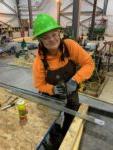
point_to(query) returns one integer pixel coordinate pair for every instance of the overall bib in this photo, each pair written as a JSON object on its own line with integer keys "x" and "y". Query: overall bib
{"x": 64, "y": 74}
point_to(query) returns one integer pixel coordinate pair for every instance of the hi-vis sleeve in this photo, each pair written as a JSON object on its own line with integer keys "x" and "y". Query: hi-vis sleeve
{"x": 81, "y": 57}
{"x": 39, "y": 77}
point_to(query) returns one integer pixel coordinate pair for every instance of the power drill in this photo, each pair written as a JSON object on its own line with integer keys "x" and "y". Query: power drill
{"x": 62, "y": 84}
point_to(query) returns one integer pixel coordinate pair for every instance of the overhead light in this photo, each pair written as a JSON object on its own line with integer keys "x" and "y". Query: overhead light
{"x": 57, "y": 1}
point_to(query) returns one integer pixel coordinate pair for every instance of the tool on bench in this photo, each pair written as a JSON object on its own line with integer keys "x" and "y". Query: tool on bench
{"x": 50, "y": 102}
{"x": 7, "y": 100}
{"x": 10, "y": 104}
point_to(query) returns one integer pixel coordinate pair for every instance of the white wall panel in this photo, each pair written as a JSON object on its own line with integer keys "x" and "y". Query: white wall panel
{"x": 3, "y": 9}
{"x": 66, "y": 3}
{"x": 9, "y": 19}
{"x": 110, "y": 7}
{"x": 11, "y": 3}
{"x": 109, "y": 29}
{"x": 85, "y": 6}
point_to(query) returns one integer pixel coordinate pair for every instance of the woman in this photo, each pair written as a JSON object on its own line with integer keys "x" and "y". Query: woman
{"x": 56, "y": 63}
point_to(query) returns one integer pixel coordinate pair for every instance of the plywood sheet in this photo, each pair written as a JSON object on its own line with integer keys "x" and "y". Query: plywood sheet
{"x": 27, "y": 39}
{"x": 14, "y": 136}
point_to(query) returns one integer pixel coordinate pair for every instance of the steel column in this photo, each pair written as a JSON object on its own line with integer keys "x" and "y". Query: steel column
{"x": 75, "y": 19}
{"x": 58, "y": 10}
{"x": 30, "y": 13}
{"x": 105, "y": 7}
{"x": 93, "y": 19}
{"x": 18, "y": 13}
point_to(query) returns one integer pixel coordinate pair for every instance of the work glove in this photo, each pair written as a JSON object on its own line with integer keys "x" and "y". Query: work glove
{"x": 71, "y": 86}
{"x": 59, "y": 90}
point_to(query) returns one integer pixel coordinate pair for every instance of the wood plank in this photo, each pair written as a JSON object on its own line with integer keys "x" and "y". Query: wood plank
{"x": 27, "y": 39}
{"x": 74, "y": 130}
{"x": 77, "y": 142}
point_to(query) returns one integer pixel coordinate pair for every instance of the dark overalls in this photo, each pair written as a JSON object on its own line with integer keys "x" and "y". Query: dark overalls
{"x": 65, "y": 73}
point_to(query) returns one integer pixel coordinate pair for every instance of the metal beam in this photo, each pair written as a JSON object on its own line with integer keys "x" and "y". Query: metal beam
{"x": 66, "y": 17}
{"x": 82, "y": 12}
{"x": 4, "y": 23}
{"x": 66, "y": 13}
{"x": 95, "y": 102}
{"x": 66, "y": 7}
{"x": 75, "y": 18}
{"x": 8, "y": 7}
{"x": 93, "y": 4}
{"x": 30, "y": 13}
{"x": 52, "y": 103}
{"x": 5, "y": 14}
{"x": 89, "y": 12}
{"x": 97, "y": 14}
{"x": 18, "y": 13}
{"x": 105, "y": 7}
{"x": 58, "y": 11}
{"x": 93, "y": 20}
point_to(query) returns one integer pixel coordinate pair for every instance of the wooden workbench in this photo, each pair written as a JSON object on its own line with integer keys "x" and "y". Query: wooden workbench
{"x": 13, "y": 136}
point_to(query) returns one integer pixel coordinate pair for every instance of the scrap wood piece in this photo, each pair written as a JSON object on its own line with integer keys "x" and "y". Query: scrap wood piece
{"x": 77, "y": 142}
{"x": 6, "y": 97}
{"x": 75, "y": 131}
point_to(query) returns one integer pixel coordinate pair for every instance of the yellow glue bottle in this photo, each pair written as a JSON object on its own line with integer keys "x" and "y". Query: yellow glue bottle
{"x": 22, "y": 111}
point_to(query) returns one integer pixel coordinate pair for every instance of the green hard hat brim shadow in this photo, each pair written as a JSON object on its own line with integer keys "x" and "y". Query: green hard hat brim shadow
{"x": 45, "y": 31}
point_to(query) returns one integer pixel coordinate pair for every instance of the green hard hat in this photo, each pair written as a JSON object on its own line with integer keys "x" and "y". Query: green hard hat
{"x": 44, "y": 23}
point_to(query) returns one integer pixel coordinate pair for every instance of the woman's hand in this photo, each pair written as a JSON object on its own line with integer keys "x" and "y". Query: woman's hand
{"x": 71, "y": 86}
{"x": 59, "y": 90}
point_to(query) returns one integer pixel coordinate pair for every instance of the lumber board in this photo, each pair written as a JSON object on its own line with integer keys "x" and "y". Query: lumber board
{"x": 22, "y": 61}
{"x": 14, "y": 136}
{"x": 77, "y": 142}
{"x": 27, "y": 39}
{"x": 75, "y": 131}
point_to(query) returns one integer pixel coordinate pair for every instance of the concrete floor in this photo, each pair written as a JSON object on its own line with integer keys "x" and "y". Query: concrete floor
{"x": 96, "y": 137}
{"x": 16, "y": 76}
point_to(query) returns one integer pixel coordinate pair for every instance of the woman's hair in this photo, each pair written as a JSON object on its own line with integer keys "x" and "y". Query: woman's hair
{"x": 43, "y": 51}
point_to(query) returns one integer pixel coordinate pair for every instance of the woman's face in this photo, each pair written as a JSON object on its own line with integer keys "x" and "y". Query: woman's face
{"x": 51, "y": 41}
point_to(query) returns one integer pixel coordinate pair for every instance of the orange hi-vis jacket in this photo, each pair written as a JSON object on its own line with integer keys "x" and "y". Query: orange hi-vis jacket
{"x": 76, "y": 53}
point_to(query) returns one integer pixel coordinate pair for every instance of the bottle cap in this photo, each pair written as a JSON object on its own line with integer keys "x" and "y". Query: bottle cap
{"x": 21, "y": 104}
{"x": 20, "y": 101}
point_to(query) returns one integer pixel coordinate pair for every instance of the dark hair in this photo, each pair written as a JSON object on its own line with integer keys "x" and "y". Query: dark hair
{"x": 44, "y": 51}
